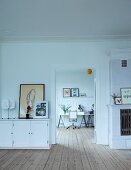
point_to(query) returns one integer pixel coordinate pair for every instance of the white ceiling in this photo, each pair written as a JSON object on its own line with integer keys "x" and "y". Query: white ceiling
{"x": 65, "y": 18}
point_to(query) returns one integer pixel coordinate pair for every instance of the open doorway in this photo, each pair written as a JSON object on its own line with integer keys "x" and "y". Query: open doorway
{"x": 84, "y": 96}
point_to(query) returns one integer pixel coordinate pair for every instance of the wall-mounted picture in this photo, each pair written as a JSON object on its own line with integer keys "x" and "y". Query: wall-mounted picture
{"x": 41, "y": 109}
{"x": 29, "y": 94}
{"x": 66, "y": 92}
{"x": 126, "y": 95}
{"x": 74, "y": 92}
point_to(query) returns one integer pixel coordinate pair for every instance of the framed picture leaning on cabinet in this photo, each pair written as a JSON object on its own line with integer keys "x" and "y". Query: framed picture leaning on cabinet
{"x": 41, "y": 109}
{"x": 29, "y": 94}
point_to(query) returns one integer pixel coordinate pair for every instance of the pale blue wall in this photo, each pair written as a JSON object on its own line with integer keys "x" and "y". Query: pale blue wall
{"x": 120, "y": 76}
{"x": 0, "y": 75}
{"x": 74, "y": 79}
{"x": 32, "y": 62}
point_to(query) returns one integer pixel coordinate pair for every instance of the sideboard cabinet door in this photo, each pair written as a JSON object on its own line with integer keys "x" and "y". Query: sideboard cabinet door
{"x": 6, "y": 134}
{"x": 39, "y": 134}
{"x": 21, "y": 133}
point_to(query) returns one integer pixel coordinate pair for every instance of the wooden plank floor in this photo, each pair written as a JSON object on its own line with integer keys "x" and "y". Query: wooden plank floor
{"x": 75, "y": 151}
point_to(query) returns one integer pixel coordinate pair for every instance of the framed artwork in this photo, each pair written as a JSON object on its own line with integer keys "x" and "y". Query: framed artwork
{"x": 66, "y": 92}
{"x": 74, "y": 92}
{"x": 29, "y": 94}
{"x": 126, "y": 95}
{"x": 118, "y": 100}
{"x": 41, "y": 109}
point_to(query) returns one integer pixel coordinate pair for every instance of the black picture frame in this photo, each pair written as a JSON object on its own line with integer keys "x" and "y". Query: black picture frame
{"x": 118, "y": 100}
{"x": 66, "y": 92}
{"x": 28, "y": 95}
{"x": 74, "y": 92}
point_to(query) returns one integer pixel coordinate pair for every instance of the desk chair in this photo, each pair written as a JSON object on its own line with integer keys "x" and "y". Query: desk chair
{"x": 72, "y": 118}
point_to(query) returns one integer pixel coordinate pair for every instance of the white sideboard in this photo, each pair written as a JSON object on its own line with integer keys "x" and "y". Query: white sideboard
{"x": 24, "y": 133}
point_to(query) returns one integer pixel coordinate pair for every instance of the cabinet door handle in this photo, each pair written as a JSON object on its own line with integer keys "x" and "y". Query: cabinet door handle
{"x": 29, "y": 133}
{"x": 11, "y": 132}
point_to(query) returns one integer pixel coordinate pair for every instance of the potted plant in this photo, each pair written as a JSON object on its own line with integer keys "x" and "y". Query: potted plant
{"x": 65, "y": 108}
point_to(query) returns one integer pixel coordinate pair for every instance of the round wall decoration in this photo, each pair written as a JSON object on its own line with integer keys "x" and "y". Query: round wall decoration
{"x": 89, "y": 71}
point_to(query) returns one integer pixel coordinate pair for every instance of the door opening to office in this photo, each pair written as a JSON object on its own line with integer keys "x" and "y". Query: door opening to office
{"x": 75, "y": 99}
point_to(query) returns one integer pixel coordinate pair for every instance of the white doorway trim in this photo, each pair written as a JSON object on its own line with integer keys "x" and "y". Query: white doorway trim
{"x": 55, "y": 68}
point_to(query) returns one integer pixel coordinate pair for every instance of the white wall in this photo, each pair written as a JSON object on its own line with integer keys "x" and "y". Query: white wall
{"x": 33, "y": 62}
{"x": 0, "y": 75}
{"x": 120, "y": 78}
{"x": 124, "y": 80}
{"x": 74, "y": 79}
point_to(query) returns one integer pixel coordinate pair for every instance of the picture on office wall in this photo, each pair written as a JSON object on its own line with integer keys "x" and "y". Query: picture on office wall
{"x": 74, "y": 92}
{"x": 41, "y": 109}
{"x": 66, "y": 92}
{"x": 29, "y": 94}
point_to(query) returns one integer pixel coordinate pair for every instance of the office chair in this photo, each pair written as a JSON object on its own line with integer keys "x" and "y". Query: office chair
{"x": 72, "y": 118}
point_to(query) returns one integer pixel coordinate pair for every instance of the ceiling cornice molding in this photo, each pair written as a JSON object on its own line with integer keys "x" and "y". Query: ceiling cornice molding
{"x": 4, "y": 39}
{"x": 119, "y": 53}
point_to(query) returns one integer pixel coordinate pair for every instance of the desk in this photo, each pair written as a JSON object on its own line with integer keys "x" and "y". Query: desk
{"x": 90, "y": 119}
{"x": 83, "y": 121}
{"x": 61, "y": 122}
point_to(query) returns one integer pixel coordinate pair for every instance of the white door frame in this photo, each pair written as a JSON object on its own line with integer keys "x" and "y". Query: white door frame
{"x": 53, "y": 95}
